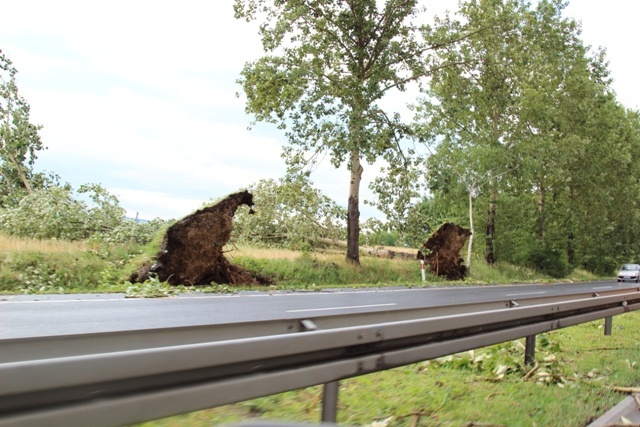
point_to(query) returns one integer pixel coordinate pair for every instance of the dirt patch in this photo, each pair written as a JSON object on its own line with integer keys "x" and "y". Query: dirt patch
{"x": 192, "y": 249}
{"x": 442, "y": 251}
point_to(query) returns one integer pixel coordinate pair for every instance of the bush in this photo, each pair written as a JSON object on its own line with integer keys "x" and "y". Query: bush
{"x": 548, "y": 260}
{"x": 57, "y": 213}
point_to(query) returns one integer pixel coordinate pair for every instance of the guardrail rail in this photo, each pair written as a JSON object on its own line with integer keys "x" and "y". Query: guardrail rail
{"x": 120, "y": 378}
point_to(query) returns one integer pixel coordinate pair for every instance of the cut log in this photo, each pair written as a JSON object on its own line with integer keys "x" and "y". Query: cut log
{"x": 442, "y": 251}
{"x": 192, "y": 249}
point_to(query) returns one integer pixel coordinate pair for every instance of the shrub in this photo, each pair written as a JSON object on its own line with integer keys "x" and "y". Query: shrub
{"x": 548, "y": 260}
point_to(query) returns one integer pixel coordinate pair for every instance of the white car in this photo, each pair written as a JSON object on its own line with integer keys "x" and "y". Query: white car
{"x": 629, "y": 272}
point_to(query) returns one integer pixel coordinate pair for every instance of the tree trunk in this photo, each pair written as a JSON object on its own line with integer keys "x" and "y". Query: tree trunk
{"x": 491, "y": 227}
{"x": 470, "y": 246}
{"x": 571, "y": 250}
{"x": 21, "y": 174}
{"x": 491, "y": 217}
{"x": 541, "y": 206}
{"x": 353, "y": 210}
{"x": 12, "y": 158}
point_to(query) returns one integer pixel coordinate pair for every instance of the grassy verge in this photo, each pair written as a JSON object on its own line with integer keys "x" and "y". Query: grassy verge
{"x": 573, "y": 383}
{"x": 33, "y": 266}
{"x": 36, "y": 266}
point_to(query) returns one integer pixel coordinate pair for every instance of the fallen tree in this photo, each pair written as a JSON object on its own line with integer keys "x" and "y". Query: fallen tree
{"x": 442, "y": 251}
{"x": 191, "y": 252}
{"x": 379, "y": 252}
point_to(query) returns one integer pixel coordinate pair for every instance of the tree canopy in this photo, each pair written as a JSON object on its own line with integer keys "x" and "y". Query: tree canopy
{"x": 328, "y": 65}
{"x": 526, "y": 110}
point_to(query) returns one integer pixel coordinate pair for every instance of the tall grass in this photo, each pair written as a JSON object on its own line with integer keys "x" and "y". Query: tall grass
{"x": 28, "y": 265}
{"x": 290, "y": 269}
{"x": 13, "y": 244}
{"x": 57, "y": 266}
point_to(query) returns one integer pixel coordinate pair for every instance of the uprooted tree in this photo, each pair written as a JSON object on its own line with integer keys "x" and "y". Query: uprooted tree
{"x": 442, "y": 251}
{"x": 191, "y": 252}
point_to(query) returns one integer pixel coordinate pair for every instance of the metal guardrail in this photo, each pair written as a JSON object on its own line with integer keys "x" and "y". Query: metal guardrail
{"x": 122, "y": 378}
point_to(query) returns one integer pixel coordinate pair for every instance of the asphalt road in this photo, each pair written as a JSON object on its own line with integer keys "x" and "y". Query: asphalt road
{"x": 24, "y": 316}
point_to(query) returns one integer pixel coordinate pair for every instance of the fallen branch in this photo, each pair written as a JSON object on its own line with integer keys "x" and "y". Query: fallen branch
{"x": 531, "y": 372}
{"x": 629, "y": 390}
{"x": 476, "y": 424}
{"x": 491, "y": 379}
{"x": 608, "y": 348}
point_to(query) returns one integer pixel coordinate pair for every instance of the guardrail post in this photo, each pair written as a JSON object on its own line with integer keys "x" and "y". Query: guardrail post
{"x": 330, "y": 402}
{"x": 608, "y": 321}
{"x": 530, "y": 350}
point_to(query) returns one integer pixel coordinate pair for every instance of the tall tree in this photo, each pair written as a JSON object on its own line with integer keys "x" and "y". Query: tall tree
{"x": 474, "y": 103}
{"x": 328, "y": 65}
{"x": 528, "y": 98}
{"x": 19, "y": 139}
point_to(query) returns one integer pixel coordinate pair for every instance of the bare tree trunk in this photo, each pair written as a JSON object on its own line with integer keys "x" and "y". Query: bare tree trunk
{"x": 471, "y": 228}
{"x": 541, "y": 206}
{"x": 353, "y": 210}
{"x": 491, "y": 227}
{"x": 571, "y": 250}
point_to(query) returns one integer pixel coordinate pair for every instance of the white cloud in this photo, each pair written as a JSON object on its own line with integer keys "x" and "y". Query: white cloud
{"x": 140, "y": 95}
{"x": 614, "y": 26}
{"x": 155, "y": 204}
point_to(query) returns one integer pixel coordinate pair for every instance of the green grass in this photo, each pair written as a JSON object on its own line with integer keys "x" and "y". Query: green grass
{"x": 572, "y": 385}
{"x": 32, "y": 266}
{"x": 307, "y": 271}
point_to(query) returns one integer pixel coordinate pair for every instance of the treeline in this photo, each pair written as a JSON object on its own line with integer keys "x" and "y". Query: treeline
{"x": 517, "y": 134}
{"x": 525, "y": 142}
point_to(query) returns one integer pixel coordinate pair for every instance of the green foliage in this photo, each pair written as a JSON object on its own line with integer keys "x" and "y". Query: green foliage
{"x": 63, "y": 272}
{"x": 152, "y": 288}
{"x": 507, "y": 359}
{"x": 36, "y": 206}
{"x": 526, "y": 137}
{"x": 376, "y": 234}
{"x": 46, "y": 214}
{"x": 57, "y": 213}
{"x": 549, "y": 260}
{"x": 418, "y": 222}
{"x": 107, "y": 267}
{"x": 288, "y": 213}
{"x": 501, "y": 272}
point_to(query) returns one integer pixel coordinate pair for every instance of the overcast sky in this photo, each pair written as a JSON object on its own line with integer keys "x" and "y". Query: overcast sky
{"x": 140, "y": 96}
